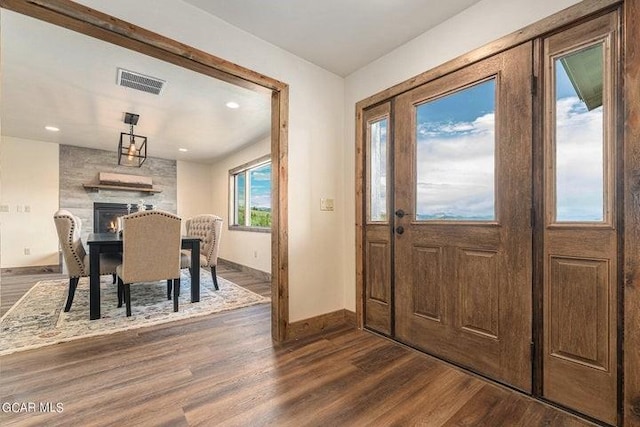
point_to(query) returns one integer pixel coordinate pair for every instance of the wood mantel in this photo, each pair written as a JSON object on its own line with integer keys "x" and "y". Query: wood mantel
{"x": 120, "y": 188}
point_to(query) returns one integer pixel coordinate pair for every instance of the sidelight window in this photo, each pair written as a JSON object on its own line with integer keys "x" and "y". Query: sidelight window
{"x": 377, "y": 168}
{"x": 579, "y": 136}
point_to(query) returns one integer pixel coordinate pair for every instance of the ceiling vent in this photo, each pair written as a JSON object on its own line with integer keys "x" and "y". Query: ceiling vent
{"x": 139, "y": 81}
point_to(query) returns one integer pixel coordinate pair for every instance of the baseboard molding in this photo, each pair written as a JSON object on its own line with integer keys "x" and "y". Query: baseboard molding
{"x": 320, "y": 324}
{"x": 35, "y": 269}
{"x": 252, "y": 271}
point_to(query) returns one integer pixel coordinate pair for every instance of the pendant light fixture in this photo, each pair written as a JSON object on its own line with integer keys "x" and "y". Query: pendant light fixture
{"x": 132, "y": 149}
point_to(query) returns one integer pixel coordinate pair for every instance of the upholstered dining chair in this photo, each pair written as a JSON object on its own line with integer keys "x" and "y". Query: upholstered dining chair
{"x": 150, "y": 252}
{"x": 75, "y": 256}
{"x": 208, "y": 227}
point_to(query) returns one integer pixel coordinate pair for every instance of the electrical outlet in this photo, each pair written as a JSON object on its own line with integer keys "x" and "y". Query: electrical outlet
{"x": 27, "y": 251}
{"x": 255, "y": 254}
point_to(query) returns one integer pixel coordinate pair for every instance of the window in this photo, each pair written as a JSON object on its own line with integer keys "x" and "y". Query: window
{"x": 378, "y": 152}
{"x": 250, "y": 191}
{"x": 455, "y": 155}
{"x": 579, "y": 136}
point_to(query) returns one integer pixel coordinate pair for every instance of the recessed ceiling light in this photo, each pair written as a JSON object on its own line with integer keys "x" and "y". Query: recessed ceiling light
{"x": 233, "y": 105}
{"x": 184, "y": 150}
{"x": 52, "y": 128}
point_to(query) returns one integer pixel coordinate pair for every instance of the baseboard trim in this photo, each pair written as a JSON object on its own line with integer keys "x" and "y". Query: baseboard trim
{"x": 256, "y": 273}
{"x": 320, "y": 324}
{"x": 34, "y": 269}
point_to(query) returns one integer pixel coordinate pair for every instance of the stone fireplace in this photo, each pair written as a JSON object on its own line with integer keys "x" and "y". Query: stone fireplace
{"x": 87, "y": 163}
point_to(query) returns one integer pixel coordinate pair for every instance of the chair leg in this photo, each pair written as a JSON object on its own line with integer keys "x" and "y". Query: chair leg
{"x": 73, "y": 284}
{"x": 114, "y": 279}
{"x": 120, "y": 292}
{"x": 169, "y": 282}
{"x": 127, "y": 299}
{"x": 214, "y": 276}
{"x": 176, "y": 288}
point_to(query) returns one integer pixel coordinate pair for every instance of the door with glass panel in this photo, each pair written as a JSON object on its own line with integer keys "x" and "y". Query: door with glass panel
{"x": 462, "y": 219}
{"x": 377, "y": 236}
{"x": 580, "y": 297}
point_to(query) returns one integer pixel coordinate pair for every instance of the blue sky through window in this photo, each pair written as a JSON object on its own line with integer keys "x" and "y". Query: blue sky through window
{"x": 261, "y": 187}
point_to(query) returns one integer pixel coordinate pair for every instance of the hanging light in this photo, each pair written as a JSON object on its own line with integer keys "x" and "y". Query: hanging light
{"x": 135, "y": 153}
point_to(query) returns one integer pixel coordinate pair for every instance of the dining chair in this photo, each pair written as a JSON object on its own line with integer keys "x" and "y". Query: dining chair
{"x": 208, "y": 228}
{"x": 151, "y": 252}
{"x": 74, "y": 254}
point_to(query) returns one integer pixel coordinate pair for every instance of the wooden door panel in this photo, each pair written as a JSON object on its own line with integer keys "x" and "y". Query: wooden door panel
{"x": 378, "y": 281}
{"x": 378, "y": 277}
{"x": 463, "y": 286}
{"x": 427, "y": 282}
{"x": 579, "y": 292}
{"x": 479, "y": 291}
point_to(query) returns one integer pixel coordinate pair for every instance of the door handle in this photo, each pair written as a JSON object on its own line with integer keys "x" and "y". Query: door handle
{"x": 400, "y": 213}
{"x": 399, "y": 229}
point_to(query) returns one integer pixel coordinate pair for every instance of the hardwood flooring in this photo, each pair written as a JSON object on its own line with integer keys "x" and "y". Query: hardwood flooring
{"x": 224, "y": 370}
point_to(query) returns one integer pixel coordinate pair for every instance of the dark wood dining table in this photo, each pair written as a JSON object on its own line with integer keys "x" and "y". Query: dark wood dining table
{"x": 100, "y": 243}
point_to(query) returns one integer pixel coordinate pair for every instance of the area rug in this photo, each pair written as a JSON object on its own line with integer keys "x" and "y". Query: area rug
{"x": 38, "y": 319}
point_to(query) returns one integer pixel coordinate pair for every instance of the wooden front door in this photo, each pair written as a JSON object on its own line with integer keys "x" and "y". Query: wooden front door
{"x": 462, "y": 227}
{"x": 493, "y": 235}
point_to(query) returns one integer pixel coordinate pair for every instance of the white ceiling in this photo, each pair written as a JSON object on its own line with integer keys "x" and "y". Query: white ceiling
{"x": 53, "y": 76}
{"x": 338, "y": 35}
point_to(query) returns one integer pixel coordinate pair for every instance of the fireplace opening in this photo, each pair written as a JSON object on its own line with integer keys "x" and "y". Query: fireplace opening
{"x": 105, "y": 215}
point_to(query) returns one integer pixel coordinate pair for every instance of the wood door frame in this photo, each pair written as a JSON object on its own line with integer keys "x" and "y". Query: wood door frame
{"x": 628, "y": 201}
{"x": 82, "y": 19}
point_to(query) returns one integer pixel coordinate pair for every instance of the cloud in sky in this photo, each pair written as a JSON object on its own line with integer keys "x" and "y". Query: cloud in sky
{"x": 456, "y": 169}
{"x": 579, "y": 161}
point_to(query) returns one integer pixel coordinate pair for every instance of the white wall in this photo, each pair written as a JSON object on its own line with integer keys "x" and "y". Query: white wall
{"x": 249, "y": 248}
{"x": 194, "y": 189}
{"x": 28, "y": 181}
{"x": 480, "y": 24}
{"x": 316, "y": 133}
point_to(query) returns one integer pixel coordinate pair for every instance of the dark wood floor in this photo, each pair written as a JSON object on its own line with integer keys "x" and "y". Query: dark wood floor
{"x": 224, "y": 369}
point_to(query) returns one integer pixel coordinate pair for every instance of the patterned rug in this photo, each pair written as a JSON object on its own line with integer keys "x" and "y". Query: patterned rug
{"x": 38, "y": 319}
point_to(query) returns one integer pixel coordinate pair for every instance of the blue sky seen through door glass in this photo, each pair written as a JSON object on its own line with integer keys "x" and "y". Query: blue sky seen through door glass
{"x": 579, "y": 151}
{"x": 455, "y": 155}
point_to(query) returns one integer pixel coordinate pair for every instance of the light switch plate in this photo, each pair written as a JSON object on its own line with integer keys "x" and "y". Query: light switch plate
{"x": 4, "y": 208}
{"x": 326, "y": 204}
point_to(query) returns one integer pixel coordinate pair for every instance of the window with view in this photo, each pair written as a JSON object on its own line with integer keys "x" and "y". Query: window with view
{"x": 250, "y": 200}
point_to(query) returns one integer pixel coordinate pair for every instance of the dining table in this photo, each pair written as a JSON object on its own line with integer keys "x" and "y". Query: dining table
{"x": 100, "y": 243}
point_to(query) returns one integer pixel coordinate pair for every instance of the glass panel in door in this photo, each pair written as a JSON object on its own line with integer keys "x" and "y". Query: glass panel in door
{"x": 455, "y": 155}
